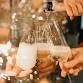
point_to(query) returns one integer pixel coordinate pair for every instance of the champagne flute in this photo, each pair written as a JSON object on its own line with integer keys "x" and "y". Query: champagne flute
{"x": 26, "y": 56}
{"x": 26, "y": 59}
{"x": 61, "y": 51}
{"x": 43, "y": 55}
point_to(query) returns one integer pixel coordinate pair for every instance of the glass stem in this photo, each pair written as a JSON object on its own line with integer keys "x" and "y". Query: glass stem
{"x": 70, "y": 80}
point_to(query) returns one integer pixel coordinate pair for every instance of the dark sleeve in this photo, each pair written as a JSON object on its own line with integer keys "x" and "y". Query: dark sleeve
{"x": 74, "y": 25}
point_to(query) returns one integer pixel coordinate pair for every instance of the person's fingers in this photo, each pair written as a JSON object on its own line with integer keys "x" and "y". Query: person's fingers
{"x": 36, "y": 4}
{"x": 61, "y": 65}
{"x": 68, "y": 8}
{"x": 73, "y": 60}
{"x": 72, "y": 63}
{"x": 45, "y": 74}
{"x": 56, "y": 63}
{"x": 79, "y": 66}
{"x": 39, "y": 62}
{"x": 10, "y": 63}
{"x": 14, "y": 59}
{"x": 73, "y": 54}
{"x": 71, "y": 17}
{"x": 80, "y": 8}
{"x": 24, "y": 73}
{"x": 63, "y": 73}
{"x": 2, "y": 80}
{"x": 74, "y": 71}
{"x": 45, "y": 63}
{"x": 58, "y": 7}
{"x": 47, "y": 69}
{"x": 71, "y": 71}
{"x": 43, "y": 80}
{"x": 9, "y": 67}
{"x": 81, "y": 1}
{"x": 63, "y": 69}
{"x": 16, "y": 70}
{"x": 74, "y": 9}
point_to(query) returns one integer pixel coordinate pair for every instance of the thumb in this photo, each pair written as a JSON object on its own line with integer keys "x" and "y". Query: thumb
{"x": 71, "y": 17}
{"x": 28, "y": 71}
{"x": 73, "y": 54}
{"x": 24, "y": 73}
{"x": 72, "y": 63}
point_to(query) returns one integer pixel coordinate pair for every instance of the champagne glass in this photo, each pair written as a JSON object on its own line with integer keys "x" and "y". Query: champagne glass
{"x": 61, "y": 50}
{"x": 26, "y": 56}
{"x": 43, "y": 55}
{"x": 61, "y": 54}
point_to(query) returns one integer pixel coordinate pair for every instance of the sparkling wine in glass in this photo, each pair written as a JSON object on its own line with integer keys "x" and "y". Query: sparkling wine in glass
{"x": 60, "y": 52}
{"x": 26, "y": 56}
